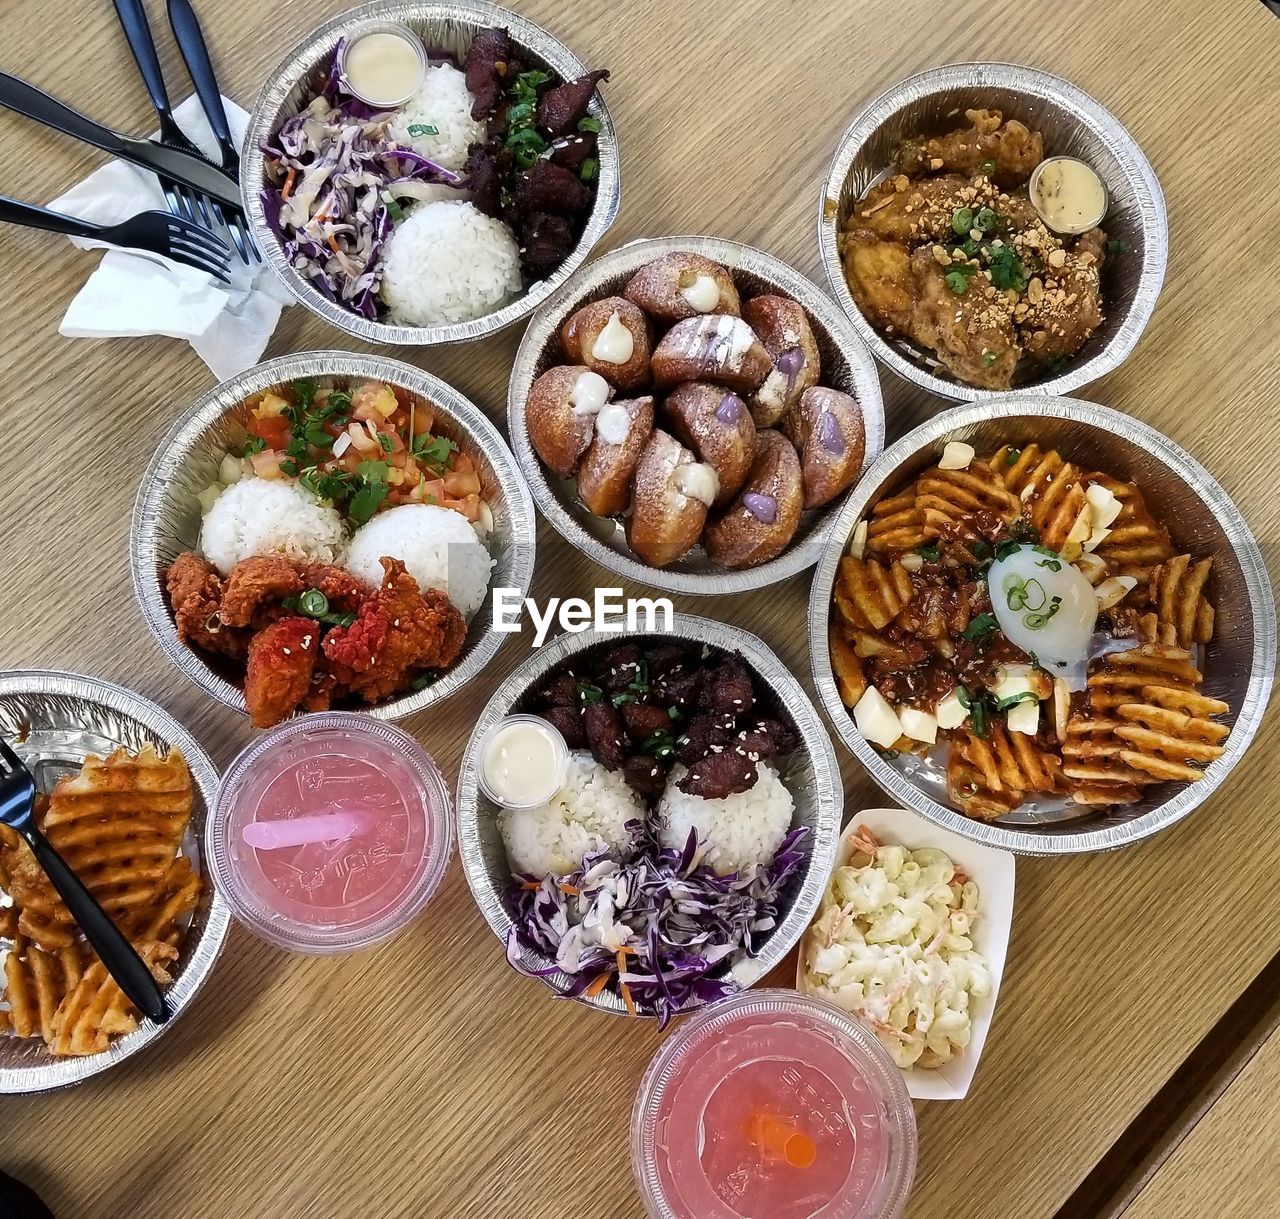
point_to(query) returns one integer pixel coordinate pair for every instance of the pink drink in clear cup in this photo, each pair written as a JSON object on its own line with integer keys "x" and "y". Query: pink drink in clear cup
{"x": 330, "y": 833}
{"x": 774, "y": 1104}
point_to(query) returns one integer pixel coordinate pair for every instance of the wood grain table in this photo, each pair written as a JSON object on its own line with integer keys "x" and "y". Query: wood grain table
{"x": 427, "y": 1079}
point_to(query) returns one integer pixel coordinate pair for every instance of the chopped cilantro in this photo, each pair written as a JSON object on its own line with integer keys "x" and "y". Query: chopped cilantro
{"x": 968, "y": 247}
{"x": 386, "y": 442}
{"x": 289, "y": 467}
{"x": 255, "y": 444}
{"x": 366, "y": 502}
{"x": 930, "y": 554}
{"x": 989, "y": 358}
{"x": 304, "y": 389}
{"x": 434, "y": 450}
{"x": 374, "y": 471}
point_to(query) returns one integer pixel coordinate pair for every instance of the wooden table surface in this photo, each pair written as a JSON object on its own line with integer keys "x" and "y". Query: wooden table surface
{"x": 427, "y": 1079}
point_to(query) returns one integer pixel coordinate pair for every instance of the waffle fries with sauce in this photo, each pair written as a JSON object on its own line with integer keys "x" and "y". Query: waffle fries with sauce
{"x": 119, "y": 823}
{"x": 927, "y": 654}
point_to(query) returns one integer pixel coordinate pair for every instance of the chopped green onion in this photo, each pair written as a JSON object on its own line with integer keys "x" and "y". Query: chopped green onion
{"x": 962, "y": 220}
{"x": 1027, "y": 696}
{"x": 987, "y": 168}
{"x": 423, "y": 129}
{"x": 589, "y": 169}
{"x": 930, "y": 554}
{"x": 1116, "y": 246}
{"x": 989, "y": 358}
{"x": 589, "y": 122}
{"x": 589, "y": 693}
{"x": 394, "y": 209}
{"x": 979, "y": 627}
{"x": 986, "y": 220}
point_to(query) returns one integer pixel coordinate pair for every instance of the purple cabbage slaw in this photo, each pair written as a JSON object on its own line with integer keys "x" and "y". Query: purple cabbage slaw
{"x": 685, "y": 923}
{"x": 348, "y": 181}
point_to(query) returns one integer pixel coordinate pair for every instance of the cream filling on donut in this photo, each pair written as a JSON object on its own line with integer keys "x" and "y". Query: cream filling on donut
{"x": 697, "y": 480}
{"x": 589, "y": 394}
{"x": 614, "y": 344}
{"x": 703, "y": 294}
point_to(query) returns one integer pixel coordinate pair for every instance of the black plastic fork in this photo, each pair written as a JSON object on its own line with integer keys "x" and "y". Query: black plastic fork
{"x": 157, "y": 232}
{"x": 17, "y": 810}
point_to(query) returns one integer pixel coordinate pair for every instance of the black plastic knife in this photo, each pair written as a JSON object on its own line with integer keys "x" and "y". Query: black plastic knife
{"x": 184, "y": 167}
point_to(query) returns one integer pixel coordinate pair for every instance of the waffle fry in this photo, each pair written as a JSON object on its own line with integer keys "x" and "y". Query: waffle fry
{"x": 850, "y": 680}
{"x": 897, "y": 524}
{"x": 971, "y": 795}
{"x": 95, "y": 1009}
{"x": 952, "y": 497}
{"x": 1136, "y": 543}
{"x": 1177, "y": 593}
{"x": 177, "y": 897}
{"x": 1010, "y": 761}
{"x": 35, "y": 984}
{"x": 1166, "y": 743}
{"x": 875, "y": 594}
{"x": 118, "y": 824}
{"x": 1122, "y": 676}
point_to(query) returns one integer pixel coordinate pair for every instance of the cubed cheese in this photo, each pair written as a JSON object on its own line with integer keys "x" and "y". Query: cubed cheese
{"x": 951, "y": 712}
{"x": 1012, "y": 680}
{"x": 858, "y": 544}
{"x": 956, "y": 455}
{"x": 876, "y": 720}
{"x": 919, "y": 725}
{"x": 1103, "y": 505}
{"x": 1082, "y": 527}
{"x": 912, "y": 562}
{"x": 1112, "y": 592}
{"x": 1024, "y": 718}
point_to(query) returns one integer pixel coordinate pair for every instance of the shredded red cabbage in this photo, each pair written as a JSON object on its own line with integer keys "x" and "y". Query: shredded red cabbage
{"x": 682, "y": 924}
{"x": 335, "y": 182}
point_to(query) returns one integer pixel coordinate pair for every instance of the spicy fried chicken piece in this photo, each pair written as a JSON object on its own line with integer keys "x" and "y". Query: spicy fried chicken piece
{"x": 1067, "y": 309}
{"x": 342, "y": 590}
{"x": 1012, "y": 148}
{"x": 254, "y": 581}
{"x": 195, "y": 592}
{"x": 878, "y": 273}
{"x": 398, "y": 632}
{"x": 282, "y": 659}
{"x": 919, "y": 209}
{"x": 719, "y": 775}
{"x": 971, "y": 332}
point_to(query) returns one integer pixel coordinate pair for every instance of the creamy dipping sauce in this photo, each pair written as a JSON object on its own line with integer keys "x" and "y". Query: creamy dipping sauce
{"x": 1068, "y": 194}
{"x": 614, "y": 344}
{"x": 384, "y": 67}
{"x": 703, "y": 294}
{"x": 522, "y": 762}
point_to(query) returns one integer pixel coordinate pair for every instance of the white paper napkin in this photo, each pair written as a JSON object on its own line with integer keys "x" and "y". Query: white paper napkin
{"x": 132, "y": 293}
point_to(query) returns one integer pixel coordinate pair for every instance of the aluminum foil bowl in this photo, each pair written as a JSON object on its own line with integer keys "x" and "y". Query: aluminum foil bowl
{"x": 451, "y": 27}
{"x": 811, "y": 774}
{"x": 846, "y": 366}
{"x": 1073, "y": 125}
{"x": 166, "y": 513}
{"x": 53, "y": 720}
{"x": 1239, "y": 664}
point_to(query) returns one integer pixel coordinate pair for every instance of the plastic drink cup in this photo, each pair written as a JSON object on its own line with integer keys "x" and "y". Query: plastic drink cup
{"x": 776, "y": 1104}
{"x": 331, "y": 833}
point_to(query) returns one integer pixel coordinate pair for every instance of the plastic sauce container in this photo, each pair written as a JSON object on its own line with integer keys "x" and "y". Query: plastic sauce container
{"x": 773, "y": 1103}
{"x": 384, "y": 64}
{"x": 390, "y": 814}
{"x": 522, "y": 761}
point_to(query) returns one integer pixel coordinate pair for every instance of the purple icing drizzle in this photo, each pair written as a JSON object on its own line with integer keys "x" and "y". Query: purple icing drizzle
{"x": 730, "y": 409}
{"x": 830, "y": 435}
{"x": 763, "y": 507}
{"x": 791, "y": 364}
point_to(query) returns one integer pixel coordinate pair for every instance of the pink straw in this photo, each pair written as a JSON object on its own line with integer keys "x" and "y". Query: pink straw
{"x": 301, "y": 831}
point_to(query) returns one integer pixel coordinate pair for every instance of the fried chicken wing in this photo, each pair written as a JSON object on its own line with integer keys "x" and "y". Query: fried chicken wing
{"x": 879, "y": 276}
{"x": 343, "y": 591}
{"x": 1011, "y": 147}
{"x": 971, "y": 332}
{"x": 282, "y": 660}
{"x": 195, "y": 593}
{"x": 255, "y": 581}
{"x": 1065, "y": 307}
{"x": 398, "y": 632}
{"x": 918, "y": 209}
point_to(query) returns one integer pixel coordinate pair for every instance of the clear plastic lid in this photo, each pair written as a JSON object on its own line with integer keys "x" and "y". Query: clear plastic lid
{"x": 382, "y": 72}
{"x": 524, "y": 782}
{"x": 367, "y": 781}
{"x": 773, "y": 1103}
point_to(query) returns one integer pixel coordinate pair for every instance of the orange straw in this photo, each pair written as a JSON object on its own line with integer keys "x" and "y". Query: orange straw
{"x": 772, "y": 1134}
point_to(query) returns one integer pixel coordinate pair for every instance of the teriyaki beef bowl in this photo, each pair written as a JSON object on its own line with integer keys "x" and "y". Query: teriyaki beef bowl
{"x": 692, "y": 822}
{"x": 429, "y": 173}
